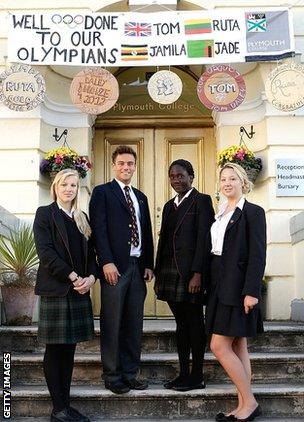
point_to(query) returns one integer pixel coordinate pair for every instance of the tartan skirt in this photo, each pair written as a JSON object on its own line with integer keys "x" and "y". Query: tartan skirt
{"x": 65, "y": 320}
{"x": 170, "y": 286}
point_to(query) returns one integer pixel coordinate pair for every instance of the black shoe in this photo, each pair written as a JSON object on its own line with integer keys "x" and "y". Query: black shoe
{"x": 77, "y": 415}
{"x": 62, "y": 416}
{"x": 190, "y": 384}
{"x": 257, "y": 412}
{"x": 221, "y": 417}
{"x": 117, "y": 387}
{"x": 134, "y": 384}
{"x": 175, "y": 382}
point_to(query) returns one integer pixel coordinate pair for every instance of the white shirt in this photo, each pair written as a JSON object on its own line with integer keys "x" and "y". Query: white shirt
{"x": 69, "y": 213}
{"x": 218, "y": 228}
{"x": 177, "y": 202}
{"x": 135, "y": 250}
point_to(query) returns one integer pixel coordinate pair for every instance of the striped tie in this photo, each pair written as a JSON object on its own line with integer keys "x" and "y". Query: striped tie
{"x": 134, "y": 228}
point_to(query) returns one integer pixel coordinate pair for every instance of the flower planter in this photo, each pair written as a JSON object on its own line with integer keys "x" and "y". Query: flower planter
{"x": 19, "y": 303}
{"x": 252, "y": 174}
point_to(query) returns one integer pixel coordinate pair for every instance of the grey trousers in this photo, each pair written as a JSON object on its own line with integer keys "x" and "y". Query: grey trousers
{"x": 121, "y": 323}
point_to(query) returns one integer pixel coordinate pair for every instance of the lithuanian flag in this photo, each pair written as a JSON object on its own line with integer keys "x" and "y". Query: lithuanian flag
{"x": 134, "y": 52}
{"x": 197, "y": 26}
{"x": 200, "y": 48}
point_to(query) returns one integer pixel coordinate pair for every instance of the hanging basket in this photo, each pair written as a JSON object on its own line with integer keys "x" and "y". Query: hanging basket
{"x": 252, "y": 174}
{"x": 53, "y": 175}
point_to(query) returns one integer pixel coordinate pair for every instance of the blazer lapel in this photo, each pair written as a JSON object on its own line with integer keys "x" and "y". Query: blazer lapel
{"x": 59, "y": 223}
{"x": 119, "y": 193}
{"x": 141, "y": 206}
{"x": 190, "y": 200}
{"x": 234, "y": 219}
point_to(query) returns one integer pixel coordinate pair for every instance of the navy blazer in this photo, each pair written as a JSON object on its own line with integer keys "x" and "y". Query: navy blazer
{"x": 111, "y": 221}
{"x": 190, "y": 235}
{"x": 243, "y": 255}
{"x": 55, "y": 260}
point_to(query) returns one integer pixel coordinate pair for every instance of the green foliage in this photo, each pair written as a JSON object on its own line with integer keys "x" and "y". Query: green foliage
{"x": 18, "y": 256}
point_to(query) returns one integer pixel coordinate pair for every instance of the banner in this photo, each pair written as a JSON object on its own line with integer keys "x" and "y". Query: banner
{"x": 151, "y": 39}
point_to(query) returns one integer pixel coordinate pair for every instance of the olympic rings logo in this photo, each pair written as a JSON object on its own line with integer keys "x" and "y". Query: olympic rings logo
{"x": 67, "y": 20}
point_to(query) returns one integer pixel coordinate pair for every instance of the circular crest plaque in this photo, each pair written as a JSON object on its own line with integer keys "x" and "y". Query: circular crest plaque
{"x": 284, "y": 87}
{"x": 94, "y": 91}
{"x": 221, "y": 88}
{"x": 165, "y": 87}
{"x": 22, "y": 88}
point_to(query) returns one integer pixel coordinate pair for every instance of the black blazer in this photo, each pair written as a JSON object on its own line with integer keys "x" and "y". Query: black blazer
{"x": 111, "y": 221}
{"x": 190, "y": 236}
{"x": 243, "y": 256}
{"x": 52, "y": 246}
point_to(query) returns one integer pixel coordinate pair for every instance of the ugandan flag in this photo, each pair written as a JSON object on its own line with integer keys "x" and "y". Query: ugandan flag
{"x": 134, "y": 52}
{"x": 200, "y": 48}
{"x": 197, "y": 26}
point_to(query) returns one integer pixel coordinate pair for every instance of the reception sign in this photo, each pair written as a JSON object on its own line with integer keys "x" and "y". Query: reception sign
{"x": 151, "y": 39}
{"x": 289, "y": 177}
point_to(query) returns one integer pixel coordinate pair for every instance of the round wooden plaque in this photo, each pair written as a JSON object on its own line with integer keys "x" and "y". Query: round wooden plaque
{"x": 94, "y": 90}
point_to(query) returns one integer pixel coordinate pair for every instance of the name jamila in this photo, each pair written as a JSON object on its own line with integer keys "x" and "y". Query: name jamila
{"x": 167, "y": 50}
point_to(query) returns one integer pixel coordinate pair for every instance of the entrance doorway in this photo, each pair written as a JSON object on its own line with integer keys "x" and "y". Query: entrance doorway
{"x": 156, "y": 148}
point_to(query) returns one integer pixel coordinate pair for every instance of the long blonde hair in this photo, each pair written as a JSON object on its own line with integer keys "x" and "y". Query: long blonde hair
{"x": 79, "y": 217}
{"x": 247, "y": 185}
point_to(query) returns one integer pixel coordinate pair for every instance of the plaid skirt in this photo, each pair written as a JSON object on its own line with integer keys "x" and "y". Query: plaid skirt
{"x": 65, "y": 320}
{"x": 170, "y": 286}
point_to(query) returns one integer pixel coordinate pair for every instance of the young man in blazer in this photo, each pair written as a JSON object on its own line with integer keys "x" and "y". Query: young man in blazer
{"x": 122, "y": 235}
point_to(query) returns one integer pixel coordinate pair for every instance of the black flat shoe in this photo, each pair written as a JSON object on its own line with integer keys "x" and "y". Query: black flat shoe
{"x": 79, "y": 417}
{"x": 190, "y": 385}
{"x": 134, "y": 384}
{"x": 117, "y": 387}
{"x": 175, "y": 382}
{"x": 221, "y": 417}
{"x": 62, "y": 416}
{"x": 257, "y": 412}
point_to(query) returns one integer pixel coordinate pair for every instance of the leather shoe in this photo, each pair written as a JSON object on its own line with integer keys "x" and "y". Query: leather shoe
{"x": 79, "y": 417}
{"x": 174, "y": 383}
{"x": 190, "y": 385}
{"x": 62, "y": 416}
{"x": 221, "y": 417}
{"x": 134, "y": 384}
{"x": 257, "y": 412}
{"x": 117, "y": 387}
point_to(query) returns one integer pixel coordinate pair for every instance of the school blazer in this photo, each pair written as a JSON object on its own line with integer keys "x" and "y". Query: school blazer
{"x": 111, "y": 222}
{"x": 243, "y": 255}
{"x": 55, "y": 260}
{"x": 190, "y": 235}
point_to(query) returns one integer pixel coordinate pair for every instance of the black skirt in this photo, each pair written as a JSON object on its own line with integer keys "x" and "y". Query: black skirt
{"x": 230, "y": 321}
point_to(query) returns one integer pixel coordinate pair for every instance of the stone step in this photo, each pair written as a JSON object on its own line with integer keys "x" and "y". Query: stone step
{"x": 155, "y": 403}
{"x": 100, "y": 419}
{"x": 157, "y": 367}
{"x": 159, "y": 337}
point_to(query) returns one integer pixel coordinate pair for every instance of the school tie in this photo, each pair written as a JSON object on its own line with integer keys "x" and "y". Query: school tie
{"x": 134, "y": 228}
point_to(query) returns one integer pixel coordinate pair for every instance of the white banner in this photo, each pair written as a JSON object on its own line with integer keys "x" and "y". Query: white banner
{"x": 151, "y": 39}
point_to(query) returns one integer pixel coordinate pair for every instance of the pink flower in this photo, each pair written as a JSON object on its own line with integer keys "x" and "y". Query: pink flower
{"x": 58, "y": 159}
{"x": 240, "y": 155}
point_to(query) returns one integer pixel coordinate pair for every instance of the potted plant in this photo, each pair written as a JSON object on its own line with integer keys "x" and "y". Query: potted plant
{"x": 18, "y": 269}
{"x": 241, "y": 155}
{"x": 63, "y": 158}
